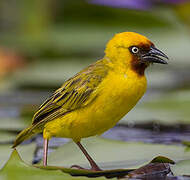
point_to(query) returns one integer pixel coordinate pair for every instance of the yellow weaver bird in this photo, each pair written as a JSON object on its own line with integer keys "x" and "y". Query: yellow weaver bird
{"x": 97, "y": 97}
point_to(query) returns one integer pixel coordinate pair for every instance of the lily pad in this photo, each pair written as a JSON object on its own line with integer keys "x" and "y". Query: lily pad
{"x": 16, "y": 169}
{"x": 111, "y": 154}
{"x": 89, "y": 173}
{"x": 181, "y": 168}
{"x": 167, "y": 108}
{"x": 13, "y": 124}
{"x": 27, "y": 152}
{"x": 6, "y": 137}
{"x": 159, "y": 166}
{"x": 19, "y": 169}
{"x": 5, "y": 151}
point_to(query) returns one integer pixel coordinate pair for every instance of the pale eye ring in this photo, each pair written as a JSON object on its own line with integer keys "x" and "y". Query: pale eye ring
{"x": 135, "y": 50}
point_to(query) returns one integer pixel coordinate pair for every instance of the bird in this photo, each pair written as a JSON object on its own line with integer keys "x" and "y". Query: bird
{"x": 97, "y": 97}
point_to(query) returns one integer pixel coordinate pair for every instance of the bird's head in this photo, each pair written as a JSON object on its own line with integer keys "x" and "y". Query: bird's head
{"x": 134, "y": 51}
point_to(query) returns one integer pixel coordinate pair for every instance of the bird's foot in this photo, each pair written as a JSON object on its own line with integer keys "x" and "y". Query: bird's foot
{"x": 94, "y": 168}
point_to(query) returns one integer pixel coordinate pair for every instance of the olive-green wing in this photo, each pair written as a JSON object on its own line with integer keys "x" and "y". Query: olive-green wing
{"x": 75, "y": 93}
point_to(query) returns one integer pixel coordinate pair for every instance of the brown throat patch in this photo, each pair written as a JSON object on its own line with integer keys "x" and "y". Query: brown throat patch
{"x": 138, "y": 66}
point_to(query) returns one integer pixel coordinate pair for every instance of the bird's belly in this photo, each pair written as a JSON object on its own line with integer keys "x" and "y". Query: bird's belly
{"x": 112, "y": 107}
{"x": 102, "y": 114}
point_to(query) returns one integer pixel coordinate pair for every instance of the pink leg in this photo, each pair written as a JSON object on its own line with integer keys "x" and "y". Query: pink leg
{"x": 45, "y": 152}
{"x": 94, "y": 166}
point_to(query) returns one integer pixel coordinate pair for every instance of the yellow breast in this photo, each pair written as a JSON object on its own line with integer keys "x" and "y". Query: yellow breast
{"x": 118, "y": 93}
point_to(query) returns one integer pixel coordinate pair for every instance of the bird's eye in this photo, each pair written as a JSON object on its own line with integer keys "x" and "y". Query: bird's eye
{"x": 134, "y": 50}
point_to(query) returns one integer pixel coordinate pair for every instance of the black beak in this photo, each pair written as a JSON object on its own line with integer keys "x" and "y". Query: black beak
{"x": 154, "y": 55}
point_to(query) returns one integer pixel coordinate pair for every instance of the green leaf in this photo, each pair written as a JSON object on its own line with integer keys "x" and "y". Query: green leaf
{"x": 167, "y": 108}
{"x": 186, "y": 143}
{"x": 6, "y": 136}
{"x": 12, "y": 124}
{"x": 111, "y": 154}
{"x": 26, "y": 151}
{"x": 5, "y": 151}
{"x": 181, "y": 168}
{"x": 16, "y": 169}
{"x": 89, "y": 173}
{"x": 19, "y": 169}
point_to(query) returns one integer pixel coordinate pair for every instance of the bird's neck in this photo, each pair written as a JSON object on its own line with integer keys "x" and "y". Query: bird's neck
{"x": 138, "y": 66}
{"x": 121, "y": 66}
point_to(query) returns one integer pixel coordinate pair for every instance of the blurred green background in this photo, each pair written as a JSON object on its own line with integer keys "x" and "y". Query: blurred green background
{"x": 42, "y": 43}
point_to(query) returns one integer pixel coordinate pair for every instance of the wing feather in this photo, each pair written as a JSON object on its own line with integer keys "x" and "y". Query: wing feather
{"x": 75, "y": 93}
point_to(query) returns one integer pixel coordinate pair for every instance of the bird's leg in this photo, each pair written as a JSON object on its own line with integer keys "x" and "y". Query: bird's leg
{"x": 94, "y": 166}
{"x": 45, "y": 152}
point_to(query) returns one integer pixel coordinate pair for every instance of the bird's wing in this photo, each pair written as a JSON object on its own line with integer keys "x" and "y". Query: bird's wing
{"x": 75, "y": 93}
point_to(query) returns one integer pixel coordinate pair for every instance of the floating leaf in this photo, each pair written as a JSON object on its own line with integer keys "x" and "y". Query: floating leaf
{"x": 111, "y": 154}
{"x": 6, "y": 137}
{"x": 186, "y": 143}
{"x": 158, "y": 167}
{"x": 13, "y": 124}
{"x": 26, "y": 152}
{"x": 16, "y": 169}
{"x": 5, "y": 151}
{"x": 181, "y": 168}
{"x": 20, "y": 170}
{"x": 89, "y": 173}
{"x": 168, "y": 108}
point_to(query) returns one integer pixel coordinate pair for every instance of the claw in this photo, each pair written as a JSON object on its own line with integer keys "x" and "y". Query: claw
{"x": 91, "y": 169}
{"x": 77, "y": 167}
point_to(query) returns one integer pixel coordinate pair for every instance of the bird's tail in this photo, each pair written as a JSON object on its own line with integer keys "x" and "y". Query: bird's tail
{"x": 23, "y": 135}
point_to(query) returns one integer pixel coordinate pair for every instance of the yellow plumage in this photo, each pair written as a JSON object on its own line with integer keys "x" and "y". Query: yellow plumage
{"x": 113, "y": 86}
{"x": 96, "y": 98}
{"x": 117, "y": 94}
